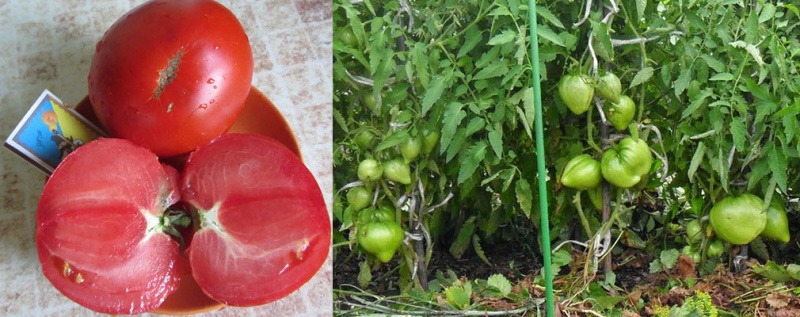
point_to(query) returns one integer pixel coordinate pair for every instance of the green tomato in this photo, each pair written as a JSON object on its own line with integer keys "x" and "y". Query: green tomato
{"x": 715, "y": 249}
{"x": 380, "y": 214}
{"x": 411, "y": 148}
{"x": 738, "y": 219}
{"x": 365, "y": 139}
{"x": 369, "y": 170}
{"x": 358, "y": 198}
{"x": 627, "y": 163}
{"x": 577, "y": 92}
{"x": 348, "y": 37}
{"x": 691, "y": 252}
{"x": 370, "y": 102}
{"x": 582, "y": 172}
{"x": 398, "y": 171}
{"x": 777, "y": 227}
{"x": 694, "y": 232}
{"x": 430, "y": 139}
{"x": 609, "y": 87}
{"x": 381, "y": 239}
{"x": 621, "y": 113}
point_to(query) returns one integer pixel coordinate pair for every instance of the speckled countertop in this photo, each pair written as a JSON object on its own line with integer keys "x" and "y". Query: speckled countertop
{"x": 49, "y": 45}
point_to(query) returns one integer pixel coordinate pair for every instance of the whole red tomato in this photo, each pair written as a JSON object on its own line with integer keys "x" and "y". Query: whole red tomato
{"x": 171, "y": 75}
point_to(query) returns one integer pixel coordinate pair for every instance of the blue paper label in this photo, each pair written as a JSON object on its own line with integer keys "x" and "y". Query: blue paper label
{"x": 49, "y": 132}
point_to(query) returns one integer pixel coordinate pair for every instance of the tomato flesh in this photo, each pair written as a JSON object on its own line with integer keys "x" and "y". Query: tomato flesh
{"x": 97, "y": 228}
{"x": 171, "y": 75}
{"x": 265, "y": 229}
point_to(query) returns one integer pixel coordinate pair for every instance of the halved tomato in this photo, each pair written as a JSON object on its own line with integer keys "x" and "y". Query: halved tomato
{"x": 264, "y": 226}
{"x": 99, "y": 231}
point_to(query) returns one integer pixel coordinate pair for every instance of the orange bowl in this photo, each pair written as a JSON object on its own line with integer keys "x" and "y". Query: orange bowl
{"x": 259, "y": 116}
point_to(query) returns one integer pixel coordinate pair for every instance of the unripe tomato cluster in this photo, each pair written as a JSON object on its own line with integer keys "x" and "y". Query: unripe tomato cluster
{"x": 625, "y": 164}
{"x": 378, "y": 230}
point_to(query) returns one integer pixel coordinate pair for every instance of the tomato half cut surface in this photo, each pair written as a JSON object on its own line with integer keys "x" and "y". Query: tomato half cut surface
{"x": 264, "y": 227}
{"x": 98, "y": 228}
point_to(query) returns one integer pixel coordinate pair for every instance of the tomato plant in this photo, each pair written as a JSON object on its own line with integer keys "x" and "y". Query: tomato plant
{"x": 171, "y": 75}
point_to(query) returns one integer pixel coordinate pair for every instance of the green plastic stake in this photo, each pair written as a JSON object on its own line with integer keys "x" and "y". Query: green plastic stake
{"x": 540, "y": 167}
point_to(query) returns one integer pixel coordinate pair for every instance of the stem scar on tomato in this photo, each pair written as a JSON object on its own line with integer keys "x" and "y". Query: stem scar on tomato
{"x": 167, "y": 75}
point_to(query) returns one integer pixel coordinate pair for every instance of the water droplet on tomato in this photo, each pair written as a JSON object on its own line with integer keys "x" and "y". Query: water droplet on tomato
{"x": 215, "y": 86}
{"x": 216, "y": 47}
{"x": 203, "y": 106}
{"x": 210, "y": 80}
{"x": 212, "y": 100}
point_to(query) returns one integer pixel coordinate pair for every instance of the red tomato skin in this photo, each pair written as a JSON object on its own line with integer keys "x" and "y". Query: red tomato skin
{"x": 91, "y": 234}
{"x": 271, "y": 232}
{"x": 206, "y": 95}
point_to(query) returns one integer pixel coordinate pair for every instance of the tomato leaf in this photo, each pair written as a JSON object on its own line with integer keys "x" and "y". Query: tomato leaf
{"x": 339, "y": 119}
{"x": 697, "y": 158}
{"x": 696, "y": 103}
{"x": 549, "y": 17}
{"x": 767, "y": 12}
{"x": 494, "y": 69}
{"x": 642, "y": 76}
{"x": 714, "y": 63}
{"x": 759, "y": 248}
{"x": 476, "y": 245}
{"x": 496, "y": 141}
{"x": 525, "y": 123}
{"x": 504, "y": 37}
{"x": 433, "y": 93}
{"x": 777, "y": 164}
{"x": 463, "y": 238}
{"x": 773, "y": 271}
{"x": 758, "y": 170}
{"x": 524, "y": 196}
{"x": 392, "y": 140}
{"x": 722, "y": 77}
{"x": 738, "y": 133}
{"x": 683, "y": 80}
{"x": 419, "y": 58}
{"x": 750, "y": 49}
{"x": 471, "y": 161}
{"x": 641, "y": 5}
{"x": 471, "y": 38}
{"x": 546, "y": 33}
{"x": 528, "y": 105}
{"x": 602, "y": 41}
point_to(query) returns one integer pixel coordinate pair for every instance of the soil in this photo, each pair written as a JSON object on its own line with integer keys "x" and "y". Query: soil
{"x": 505, "y": 259}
